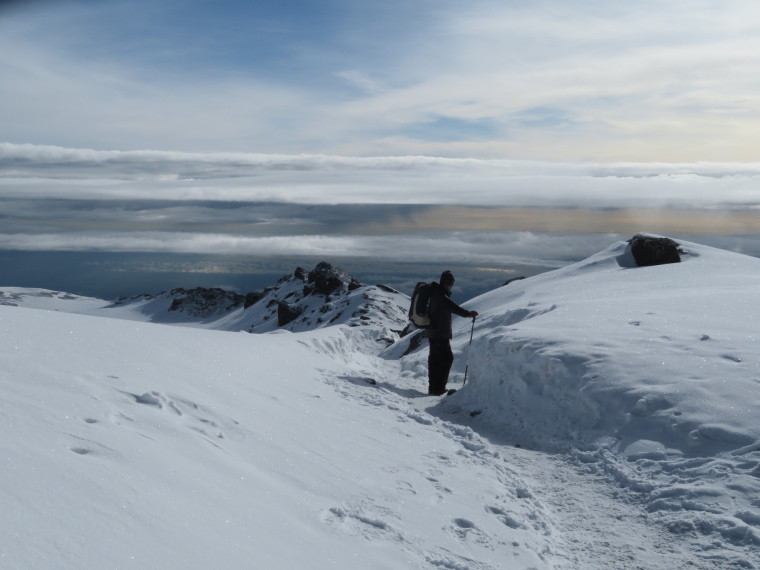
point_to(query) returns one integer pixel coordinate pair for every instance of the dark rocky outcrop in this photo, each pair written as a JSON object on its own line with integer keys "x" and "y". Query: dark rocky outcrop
{"x": 252, "y": 299}
{"x": 415, "y": 342}
{"x": 325, "y": 279}
{"x": 654, "y": 250}
{"x": 513, "y": 280}
{"x": 286, "y": 313}
{"x": 203, "y": 302}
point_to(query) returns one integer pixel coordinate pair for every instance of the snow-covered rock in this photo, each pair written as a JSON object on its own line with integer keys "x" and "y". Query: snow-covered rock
{"x": 304, "y": 300}
{"x": 199, "y": 304}
{"x": 326, "y": 296}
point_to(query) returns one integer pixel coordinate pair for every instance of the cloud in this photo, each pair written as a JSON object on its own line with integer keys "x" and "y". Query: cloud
{"x": 245, "y": 218}
{"x": 469, "y": 248}
{"x": 673, "y": 81}
{"x": 46, "y": 172}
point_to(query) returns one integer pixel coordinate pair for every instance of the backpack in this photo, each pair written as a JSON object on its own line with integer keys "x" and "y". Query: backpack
{"x": 418, "y": 310}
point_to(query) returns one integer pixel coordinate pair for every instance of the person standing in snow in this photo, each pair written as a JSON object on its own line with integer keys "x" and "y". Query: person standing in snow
{"x": 439, "y": 333}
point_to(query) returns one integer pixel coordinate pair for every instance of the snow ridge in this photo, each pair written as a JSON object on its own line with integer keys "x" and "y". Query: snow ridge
{"x": 302, "y": 301}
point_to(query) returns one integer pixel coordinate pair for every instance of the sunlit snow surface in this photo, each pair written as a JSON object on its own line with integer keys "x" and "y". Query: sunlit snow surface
{"x": 630, "y": 392}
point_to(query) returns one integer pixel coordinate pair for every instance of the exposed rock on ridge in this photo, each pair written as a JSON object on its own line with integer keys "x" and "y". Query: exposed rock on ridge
{"x": 303, "y": 300}
{"x": 326, "y": 279}
{"x": 325, "y": 296}
{"x": 203, "y": 303}
{"x": 654, "y": 250}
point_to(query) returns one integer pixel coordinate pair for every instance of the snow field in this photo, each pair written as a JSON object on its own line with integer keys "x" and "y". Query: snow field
{"x": 608, "y": 422}
{"x": 145, "y": 446}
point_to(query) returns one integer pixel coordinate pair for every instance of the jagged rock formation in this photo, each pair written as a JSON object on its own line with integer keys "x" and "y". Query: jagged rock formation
{"x": 303, "y": 300}
{"x": 326, "y": 279}
{"x": 326, "y": 296}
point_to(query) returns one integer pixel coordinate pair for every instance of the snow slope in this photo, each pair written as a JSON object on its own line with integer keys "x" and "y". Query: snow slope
{"x": 607, "y": 422}
{"x": 648, "y": 374}
{"x": 132, "y": 445}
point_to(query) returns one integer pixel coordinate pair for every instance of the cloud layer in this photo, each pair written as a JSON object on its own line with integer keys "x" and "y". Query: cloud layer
{"x": 503, "y": 249}
{"x": 41, "y": 172}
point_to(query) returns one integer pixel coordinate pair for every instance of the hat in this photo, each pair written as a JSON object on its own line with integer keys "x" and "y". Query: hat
{"x": 447, "y": 277}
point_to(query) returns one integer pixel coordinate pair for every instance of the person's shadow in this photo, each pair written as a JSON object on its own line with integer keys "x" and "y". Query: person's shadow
{"x": 371, "y": 382}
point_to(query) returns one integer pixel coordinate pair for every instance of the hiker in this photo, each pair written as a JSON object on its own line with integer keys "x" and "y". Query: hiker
{"x": 439, "y": 332}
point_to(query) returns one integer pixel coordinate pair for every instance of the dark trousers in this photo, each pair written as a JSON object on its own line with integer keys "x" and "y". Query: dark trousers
{"x": 440, "y": 360}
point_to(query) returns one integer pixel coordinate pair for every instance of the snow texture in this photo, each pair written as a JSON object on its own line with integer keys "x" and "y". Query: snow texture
{"x": 607, "y": 422}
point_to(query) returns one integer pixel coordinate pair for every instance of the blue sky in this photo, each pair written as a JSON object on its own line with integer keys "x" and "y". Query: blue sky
{"x": 548, "y": 80}
{"x": 336, "y": 129}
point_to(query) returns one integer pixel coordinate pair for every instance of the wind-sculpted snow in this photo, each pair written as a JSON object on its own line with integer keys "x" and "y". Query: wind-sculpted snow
{"x": 648, "y": 375}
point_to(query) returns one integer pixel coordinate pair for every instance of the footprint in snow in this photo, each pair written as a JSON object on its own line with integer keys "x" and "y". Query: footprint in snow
{"x": 442, "y": 558}
{"x": 361, "y": 517}
{"x": 505, "y": 517}
{"x": 467, "y": 531}
{"x": 438, "y": 486}
{"x": 420, "y": 418}
{"x": 150, "y": 399}
{"x": 523, "y": 493}
{"x": 405, "y": 487}
{"x": 160, "y": 401}
{"x": 89, "y": 447}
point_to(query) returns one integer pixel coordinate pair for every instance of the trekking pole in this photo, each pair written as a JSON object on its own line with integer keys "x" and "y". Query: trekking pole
{"x": 468, "y": 351}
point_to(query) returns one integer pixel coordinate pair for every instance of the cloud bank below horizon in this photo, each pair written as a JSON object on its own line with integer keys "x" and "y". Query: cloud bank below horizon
{"x": 413, "y": 209}
{"x": 48, "y": 172}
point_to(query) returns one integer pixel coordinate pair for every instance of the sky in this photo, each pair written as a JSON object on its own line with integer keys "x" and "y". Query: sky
{"x": 476, "y": 135}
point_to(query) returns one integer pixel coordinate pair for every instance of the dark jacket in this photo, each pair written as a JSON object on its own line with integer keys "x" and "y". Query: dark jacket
{"x": 439, "y": 310}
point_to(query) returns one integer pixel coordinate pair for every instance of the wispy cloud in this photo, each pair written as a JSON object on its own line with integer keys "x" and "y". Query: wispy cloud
{"x": 557, "y": 80}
